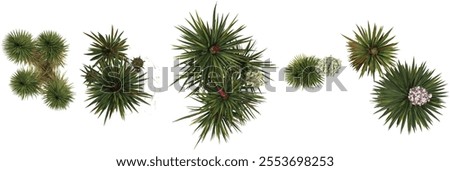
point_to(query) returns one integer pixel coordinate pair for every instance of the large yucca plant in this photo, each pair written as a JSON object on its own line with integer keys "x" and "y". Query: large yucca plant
{"x": 42, "y": 57}
{"x": 225, "y": 72}
{"x": 115, "y": 82}
{"x": 224, "y": 110}
{"x": 372, "y": 50}
{"x": 409, "y": 96}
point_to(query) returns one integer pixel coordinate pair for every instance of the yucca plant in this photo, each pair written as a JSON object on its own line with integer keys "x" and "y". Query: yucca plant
{"x": 304, "y": 72}
{"x": 25, "y": 83}
{"x": 409, "y": 96}
{"x": 225, "y": 71}
{"x": 372, "y": 50}
{"x": 57, "y": 93}
{"x": 115, "y": 82}
{"x": 42, "y": 58}
{"x": 224, "y": 110}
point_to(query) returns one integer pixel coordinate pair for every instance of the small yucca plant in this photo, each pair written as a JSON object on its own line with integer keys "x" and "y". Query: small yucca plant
{"x": 25, "y": 83}
{"x": 372, "y": 50}
{"x": 115, "y": 83}
{"x": 409, "y": 96}
{"x": 304, "y": 72}
{"x": 42, "y": 57}
{"x": 226, "y": 70}
{"x": 57, "y": 93}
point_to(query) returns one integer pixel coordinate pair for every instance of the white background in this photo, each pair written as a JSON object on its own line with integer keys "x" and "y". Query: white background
{"x": 336, "y": 123}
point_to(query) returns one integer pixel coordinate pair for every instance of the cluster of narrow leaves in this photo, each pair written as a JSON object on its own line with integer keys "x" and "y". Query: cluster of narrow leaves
{"x": 115, "y": 82}
{"x": 42, "y": 57}
{"x": 303, "y": 71}
{"x": 224, "y": 110}
{"x": 372, "y": 50}
{"x": 217, "y": 63}
{"x": 309, "y": 71}
{"x": 392, "y": 91}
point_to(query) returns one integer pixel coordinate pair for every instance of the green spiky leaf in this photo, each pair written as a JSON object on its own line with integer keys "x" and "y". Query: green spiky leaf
{"x": 392, "y": 96}
{"x": 303, "y": 71}
{"x": 372, "y": 50}
{"x": 90, "y": 75}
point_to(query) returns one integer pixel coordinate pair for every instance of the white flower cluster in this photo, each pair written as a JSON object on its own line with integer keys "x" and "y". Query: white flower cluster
{"x": 254, "y": 78}
{"x": 329, "y": 66}
{"x": 419, "y": 96}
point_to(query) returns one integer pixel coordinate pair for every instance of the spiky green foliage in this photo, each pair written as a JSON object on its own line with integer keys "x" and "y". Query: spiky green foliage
{"x": 19, "y": 46}
{"x": 106, "y": 49}
{"x": 303, "y": 71}
{"x": 114, "y": 84}
{"x": 58, "y": 93}
{"x": 52, "y": 47}
{"x": 119, "y": 88}
{"x": 224, "y": 110}
{"x": 253, "y": 71}
{"x": 207, "y": 48}
{"x": 90, "y": 74}
{"x": 42, "y": 58}
{"x": 393, "y": 92}
{"x": 25, "y": 83}
{"x": 372, "y": 50}
{"x": 226, "y": 70}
